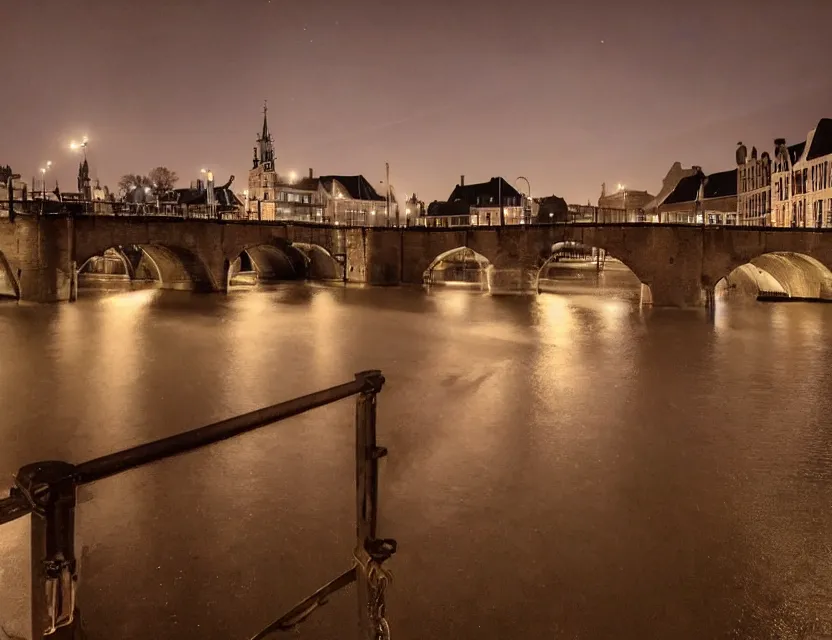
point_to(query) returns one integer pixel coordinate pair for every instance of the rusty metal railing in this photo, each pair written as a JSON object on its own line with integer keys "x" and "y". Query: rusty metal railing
{"x": 47, "y": 491}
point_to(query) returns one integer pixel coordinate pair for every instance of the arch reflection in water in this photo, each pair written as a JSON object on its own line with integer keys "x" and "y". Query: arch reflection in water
{"x": 127, "y": 267}
{"x": 459, "y": 267}
{"x": 120, "y": 268}
{"x": 579, "y": 269}
{"x": 281, "y": 262}
{"x": 779, "y": 275}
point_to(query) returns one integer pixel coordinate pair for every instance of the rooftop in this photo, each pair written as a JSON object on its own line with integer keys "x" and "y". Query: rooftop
{"x": 821, "y": 140}
{"x": 357, "y": 187}
{"x": 486, "y": 192}
{"x": 687, "y": 190}
{"x": 721, "y": 185}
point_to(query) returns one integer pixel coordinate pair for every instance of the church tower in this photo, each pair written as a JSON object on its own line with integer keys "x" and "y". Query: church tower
{"x": 84, "y": 180}
{"x": 265, "y": 143}
{"x": 263, "y": 179}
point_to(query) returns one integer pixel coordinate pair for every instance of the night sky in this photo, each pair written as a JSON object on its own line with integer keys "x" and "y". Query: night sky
{"x": 566, "y": 93}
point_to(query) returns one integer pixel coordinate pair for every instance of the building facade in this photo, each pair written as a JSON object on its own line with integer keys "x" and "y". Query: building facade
{"x": 675, "y": 174}
{"x": 702, "y": 199}
{"x": 753, "y": 187}
{"x": 624, "y": 199}
{"x": 491, "y": 203}
{"x": 333, "y": 199}
{"x": 801, "y": 182}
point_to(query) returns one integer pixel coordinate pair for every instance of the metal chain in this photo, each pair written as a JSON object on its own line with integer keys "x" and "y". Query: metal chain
{"x": 378, "y": 578}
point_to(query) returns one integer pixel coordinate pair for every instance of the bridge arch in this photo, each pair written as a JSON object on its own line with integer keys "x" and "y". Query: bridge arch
{"x": 461, "y": 265}
{"x": 273, "y": 261}
{"x": 573, "y": 260}
{"x": 320, "y": 263}
{"x": 780, "y": 273}
{"x": 9, "y": 286}
{"x": 175, "y": 267}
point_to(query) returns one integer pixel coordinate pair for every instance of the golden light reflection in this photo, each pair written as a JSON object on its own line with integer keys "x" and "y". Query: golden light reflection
{"x": 454, "y": 303}
{"x": 557, "y": 324}
{"x": 130, "y": 301}
{"x": 328, "y": 331}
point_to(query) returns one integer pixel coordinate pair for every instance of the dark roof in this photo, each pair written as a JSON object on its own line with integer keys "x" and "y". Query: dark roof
{"x": 304, "y": 184}
{"x": 796, "y": 150}
{"x": 223, "y": 195}
{"x": 822, "y": 140}
{"x": 686, "y": 191}
{"x": 356, "y": 186}
{"x": 486, "y": 191}
{"x": 437, "y": 208}
{"x": 721, "y": 185}
{"x": 551, "y": 204}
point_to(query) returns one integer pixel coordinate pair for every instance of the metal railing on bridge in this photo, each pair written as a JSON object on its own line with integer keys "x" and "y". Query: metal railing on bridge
{"x": 47, "y": 491}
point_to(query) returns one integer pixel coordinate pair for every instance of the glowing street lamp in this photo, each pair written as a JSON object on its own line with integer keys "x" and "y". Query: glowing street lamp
{"x": 80, "y": 145}
{"x": 43, "y": 171}
{"x": 292, "y": 177}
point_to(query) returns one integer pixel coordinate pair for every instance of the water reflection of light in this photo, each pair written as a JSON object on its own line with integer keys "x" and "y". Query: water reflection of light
{"x": 556, "y": 319}
{"x": 324, "y": 314}
{"x": 455, "y": 303}
{"x": 131, "y": 300}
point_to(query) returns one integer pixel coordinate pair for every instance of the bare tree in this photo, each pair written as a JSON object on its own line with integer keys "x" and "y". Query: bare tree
{"x": 162, "y": 180}
{"x": 132, "y": 181}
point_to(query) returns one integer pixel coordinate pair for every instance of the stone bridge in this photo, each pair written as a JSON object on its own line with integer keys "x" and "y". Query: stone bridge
{"x": 678, "y": 264}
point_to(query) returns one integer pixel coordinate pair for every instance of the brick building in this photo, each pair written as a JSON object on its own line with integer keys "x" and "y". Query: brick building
{"x": 753, "y": 187}
{"x": 801, "y": 183}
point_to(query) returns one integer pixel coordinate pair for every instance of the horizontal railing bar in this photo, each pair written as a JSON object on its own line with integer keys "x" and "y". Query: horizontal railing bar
{"x": 12, "y": 508}
{"x": 120, "y": 461}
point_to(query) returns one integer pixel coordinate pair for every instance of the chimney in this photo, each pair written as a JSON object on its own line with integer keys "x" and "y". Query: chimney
{"x": 696, "y": 169}
{"x": 311, "y": 173}
{"x": 462, "y": 180}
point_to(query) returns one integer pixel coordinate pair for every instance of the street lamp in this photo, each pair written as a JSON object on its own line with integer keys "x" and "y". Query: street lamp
{"x": 43, "y": 171}
{"x": 622, "y": 187}
{"x": 529, "y": 189}
{"x": 292, "y": 177}
{"x": 209, "y": 191}
{"x": 80, "y": 145}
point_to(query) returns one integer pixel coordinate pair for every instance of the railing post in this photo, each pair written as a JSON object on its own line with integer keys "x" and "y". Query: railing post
{"x": 370, "y": 551}
{"x": 50, "y": 489}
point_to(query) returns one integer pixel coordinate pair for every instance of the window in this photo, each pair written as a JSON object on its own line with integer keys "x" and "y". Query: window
{"x": 805, "y": 179}
{"x": 265, "y": 195}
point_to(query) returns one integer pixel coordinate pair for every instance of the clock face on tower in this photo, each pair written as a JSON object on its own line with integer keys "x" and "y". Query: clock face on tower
{"x": 268, "y": 166}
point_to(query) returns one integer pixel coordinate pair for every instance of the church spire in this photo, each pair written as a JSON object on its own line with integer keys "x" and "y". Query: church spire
{"x": 264, "y": 142}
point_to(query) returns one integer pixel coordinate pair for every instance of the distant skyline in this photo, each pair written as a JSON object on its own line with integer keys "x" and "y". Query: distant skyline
{"x": 569, "y": 94}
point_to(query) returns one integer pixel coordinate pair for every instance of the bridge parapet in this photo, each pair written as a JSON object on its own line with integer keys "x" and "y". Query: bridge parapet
{"x": 680, "y": 264}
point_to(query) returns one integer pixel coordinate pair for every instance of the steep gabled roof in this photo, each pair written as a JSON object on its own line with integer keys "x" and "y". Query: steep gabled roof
{"x": 796, "y": 150}
{"x": 721, "y": 185}
{"x": 487, "y": 192}
{"x": 357, "y": 187}
{"x": 822, "y": 140}
{"x": 687, "y": 190}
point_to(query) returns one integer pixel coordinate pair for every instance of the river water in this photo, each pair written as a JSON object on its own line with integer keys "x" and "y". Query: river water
{"x": 568, "y": 465}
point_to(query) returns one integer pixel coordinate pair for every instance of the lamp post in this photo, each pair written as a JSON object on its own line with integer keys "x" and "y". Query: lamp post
{"x": 43, "y": 171}
{"x": 623, "y": 188}
{"x": 209, "y": 191}
{"x": 529, "y": 197}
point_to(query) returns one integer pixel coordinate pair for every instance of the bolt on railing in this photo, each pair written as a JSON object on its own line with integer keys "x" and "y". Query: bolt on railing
{"x": 47, "y": 491}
